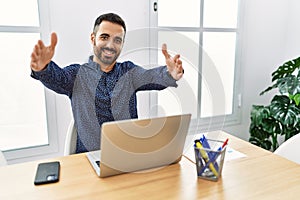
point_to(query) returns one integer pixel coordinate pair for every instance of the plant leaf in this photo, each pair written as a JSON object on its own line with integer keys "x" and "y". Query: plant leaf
{"x": 268, "y": 89}
{"x": 296, "y": 98}
{"x": 259, "y": 137}
{"x": 271, "y": 125}
{"x": 258, "y": 113}
{"x": 282, "y": 71}
{"x": 286, "y": 69}
{"x": 290, "y": 131}
{"x": 289, "y": 84}
{"x": 283, "y": 110}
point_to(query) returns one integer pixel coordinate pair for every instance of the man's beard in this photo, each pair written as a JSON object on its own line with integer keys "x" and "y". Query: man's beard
{"x": 106, "y": 60}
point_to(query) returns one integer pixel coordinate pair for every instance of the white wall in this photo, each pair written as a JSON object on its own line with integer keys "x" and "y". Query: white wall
{"x": 292, "y": 48}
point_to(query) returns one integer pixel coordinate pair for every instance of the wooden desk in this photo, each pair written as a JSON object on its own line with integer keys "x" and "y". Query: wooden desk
{"x": 260, "y": 175}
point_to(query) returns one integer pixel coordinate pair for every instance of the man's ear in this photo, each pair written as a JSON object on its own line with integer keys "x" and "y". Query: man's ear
{"x": 93, "y": 38}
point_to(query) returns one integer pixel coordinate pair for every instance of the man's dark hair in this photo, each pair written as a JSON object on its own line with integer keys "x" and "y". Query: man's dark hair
{"x": 111, "y": 17}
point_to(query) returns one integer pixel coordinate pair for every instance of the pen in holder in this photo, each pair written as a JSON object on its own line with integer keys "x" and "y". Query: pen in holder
{"x": 209, "y": 156}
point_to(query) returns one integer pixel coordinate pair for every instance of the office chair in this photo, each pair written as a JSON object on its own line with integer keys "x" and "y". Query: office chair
{"x": 71, "y": 138}
{"x": 2, "y": 159}
{"x": 290, "y": 149}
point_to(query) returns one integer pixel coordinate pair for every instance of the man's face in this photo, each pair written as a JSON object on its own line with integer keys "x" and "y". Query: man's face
{"x": 108, "y": 43}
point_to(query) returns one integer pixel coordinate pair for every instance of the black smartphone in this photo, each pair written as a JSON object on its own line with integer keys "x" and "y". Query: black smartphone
{"x": 47, "y": 173}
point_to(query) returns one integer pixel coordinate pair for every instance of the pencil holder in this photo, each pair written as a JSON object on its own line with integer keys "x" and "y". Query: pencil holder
{"x": 210, "y": 159}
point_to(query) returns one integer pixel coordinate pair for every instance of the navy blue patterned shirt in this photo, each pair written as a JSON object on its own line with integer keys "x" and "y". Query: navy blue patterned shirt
{"x": 98, "y": 97}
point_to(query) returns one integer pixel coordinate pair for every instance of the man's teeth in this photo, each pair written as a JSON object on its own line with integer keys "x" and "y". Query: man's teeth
{"x": 108, "y": 52}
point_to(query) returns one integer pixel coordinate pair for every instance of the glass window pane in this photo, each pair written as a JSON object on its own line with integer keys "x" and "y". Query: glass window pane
{"x": 23, "y": 115}
{"x": 19, "y": 13}
{"x": 220, "y": 13}
{"x": 180, "y": 14}
{"x": 218, "y": 73}
{"x": 184, "y": 98}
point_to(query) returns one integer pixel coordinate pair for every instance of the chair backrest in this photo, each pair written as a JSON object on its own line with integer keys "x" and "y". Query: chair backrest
{"x": 290, "y": 149}
{"x": 71, "y": 138}
{"x": 3, "y": 161}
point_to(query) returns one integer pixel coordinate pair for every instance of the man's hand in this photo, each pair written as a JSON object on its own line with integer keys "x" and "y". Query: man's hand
{"x": 42, "y": 55}
{"x": 174, "y": 64}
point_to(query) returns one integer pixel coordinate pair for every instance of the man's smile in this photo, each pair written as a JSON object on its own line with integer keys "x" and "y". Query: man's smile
{"x": 108, "y": 52}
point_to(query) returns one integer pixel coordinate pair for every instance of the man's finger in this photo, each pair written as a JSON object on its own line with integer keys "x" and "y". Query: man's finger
{"x": 165, "y": 51}
{"x": 176, "y": 57}
{"x": 33, "y": 56}
{"x": 53, "y": 40}
{"x": 40, "y": 45}
{"x": 36, "y": 50}
{"x": 179, "y": 62}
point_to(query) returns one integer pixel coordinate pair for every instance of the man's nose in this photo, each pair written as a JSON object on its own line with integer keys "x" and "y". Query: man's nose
{"x": 110, "y": 43}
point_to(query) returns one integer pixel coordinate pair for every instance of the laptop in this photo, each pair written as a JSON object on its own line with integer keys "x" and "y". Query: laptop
{"x": 140, "y": 144}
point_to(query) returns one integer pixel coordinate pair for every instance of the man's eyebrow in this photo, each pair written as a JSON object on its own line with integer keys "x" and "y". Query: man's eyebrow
{"x": 105, "y": 34}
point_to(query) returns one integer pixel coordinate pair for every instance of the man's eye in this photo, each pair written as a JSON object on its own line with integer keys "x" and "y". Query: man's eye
{"x": 104, "y": 37}
{"x": 118, "y": 41}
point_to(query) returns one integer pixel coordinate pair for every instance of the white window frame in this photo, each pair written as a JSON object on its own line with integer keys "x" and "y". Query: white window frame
{"x": 50, "y": 99}
{"x": 210, "y": 123}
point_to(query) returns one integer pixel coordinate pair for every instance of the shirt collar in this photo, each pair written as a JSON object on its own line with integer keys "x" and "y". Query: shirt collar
{"x": 94, "y": 64}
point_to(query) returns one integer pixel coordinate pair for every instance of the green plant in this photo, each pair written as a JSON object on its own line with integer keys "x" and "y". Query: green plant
{"x": 282, "y": 116}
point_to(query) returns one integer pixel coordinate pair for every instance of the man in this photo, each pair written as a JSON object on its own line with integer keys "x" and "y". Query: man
{"x": 102, "y": 90}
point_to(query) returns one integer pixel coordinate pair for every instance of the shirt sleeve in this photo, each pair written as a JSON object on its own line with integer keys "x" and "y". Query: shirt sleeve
{"x": 60, "y": 80}
{"x": 152, "y": 79}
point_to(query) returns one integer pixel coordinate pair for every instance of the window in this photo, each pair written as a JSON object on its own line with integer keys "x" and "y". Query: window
{"x": 23, "y": 120}
{"x": 205, "y": 33}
